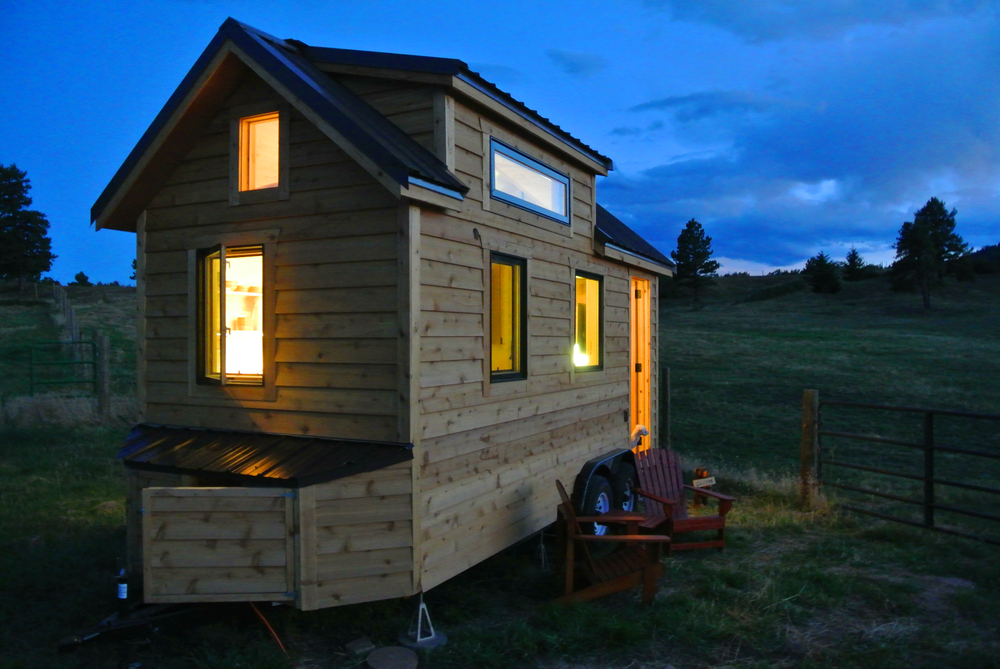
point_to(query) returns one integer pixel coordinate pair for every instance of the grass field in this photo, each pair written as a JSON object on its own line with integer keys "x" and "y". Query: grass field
{"x": 793, "y": 589}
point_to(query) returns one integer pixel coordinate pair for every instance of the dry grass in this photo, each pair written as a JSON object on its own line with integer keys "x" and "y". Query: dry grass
{"x": 42, "y": 410}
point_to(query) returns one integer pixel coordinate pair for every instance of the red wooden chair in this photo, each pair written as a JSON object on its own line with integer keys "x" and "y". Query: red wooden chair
{"x": 636, "y": 561}
{"x": 661, "y": 484}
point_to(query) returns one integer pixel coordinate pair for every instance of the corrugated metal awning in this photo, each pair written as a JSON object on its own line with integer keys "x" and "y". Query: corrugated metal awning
{"x": 263, "y": 459}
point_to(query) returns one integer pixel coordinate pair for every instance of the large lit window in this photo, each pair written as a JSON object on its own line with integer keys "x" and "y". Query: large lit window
{"x": 231, "y": 322}
{"x": 259, "y": 154}
{"x": 508, "y": 322}
{"x": 527, "y": 183}
{"x": 589, "y": 323}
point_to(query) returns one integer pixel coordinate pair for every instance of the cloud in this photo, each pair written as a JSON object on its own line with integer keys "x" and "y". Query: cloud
{"x": 863, "y": 135}
{"x": 576, "y": 63}
{"x": 817, "y": 19}
{"x": 633, "y": 131}
{"x": 697, "y": 106}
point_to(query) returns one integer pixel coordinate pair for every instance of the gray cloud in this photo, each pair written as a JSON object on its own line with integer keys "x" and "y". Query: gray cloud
{"x": 780, "y": 19}
{"x": 575, "y": 63}
{"x": 696, "y": 106}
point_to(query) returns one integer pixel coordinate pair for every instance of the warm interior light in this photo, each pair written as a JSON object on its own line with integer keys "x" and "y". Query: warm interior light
{"x": 259, "y": 137}
{"x": 244, "y": 322}
{"x": 505, "y": 317}
{"x": 239, "y": 317}
{"x": 587, "y": 348}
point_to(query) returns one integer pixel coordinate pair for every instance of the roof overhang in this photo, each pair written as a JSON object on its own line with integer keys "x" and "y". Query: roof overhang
{"x": 374, "y": 142}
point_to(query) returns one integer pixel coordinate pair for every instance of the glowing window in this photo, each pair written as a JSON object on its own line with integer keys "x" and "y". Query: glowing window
{"x": 507, "y": 318}
{"x": 232, "y": 318}
{"x": 259, "y": 137}
{"x": 587, "y": 347}
{"x": 529, "y": 184}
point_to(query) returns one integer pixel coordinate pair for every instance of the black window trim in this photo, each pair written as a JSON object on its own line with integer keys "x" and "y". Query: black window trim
{"x": 509, "y": 151}
{"x": 600, "y": 321}
{"x": 522, "y": 263}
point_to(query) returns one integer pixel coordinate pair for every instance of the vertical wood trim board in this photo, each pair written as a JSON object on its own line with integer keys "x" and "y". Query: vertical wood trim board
{"x": 140, "y": 324}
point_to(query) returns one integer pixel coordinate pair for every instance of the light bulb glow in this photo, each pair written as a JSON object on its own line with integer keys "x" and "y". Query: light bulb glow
{"x": 580, "y": 359}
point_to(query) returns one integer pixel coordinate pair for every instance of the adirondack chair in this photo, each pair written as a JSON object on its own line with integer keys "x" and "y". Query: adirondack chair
{"x": 635, "y": 561}
{"x": 662, "y": 486}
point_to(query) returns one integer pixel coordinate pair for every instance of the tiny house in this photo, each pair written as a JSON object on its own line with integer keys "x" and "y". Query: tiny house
{"x": 380, "y": 313}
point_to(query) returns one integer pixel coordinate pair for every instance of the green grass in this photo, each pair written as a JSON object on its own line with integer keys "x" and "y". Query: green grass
{"x": 793, "y": 589}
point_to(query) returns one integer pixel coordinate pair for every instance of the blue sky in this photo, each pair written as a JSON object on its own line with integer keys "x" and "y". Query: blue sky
{"x": 784, "y": 127}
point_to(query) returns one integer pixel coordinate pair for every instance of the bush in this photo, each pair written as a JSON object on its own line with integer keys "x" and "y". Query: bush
{"x": 81, "y": 279}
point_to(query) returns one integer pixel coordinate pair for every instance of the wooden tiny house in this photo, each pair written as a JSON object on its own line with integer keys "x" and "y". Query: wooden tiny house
{"x": 380, "y": 313}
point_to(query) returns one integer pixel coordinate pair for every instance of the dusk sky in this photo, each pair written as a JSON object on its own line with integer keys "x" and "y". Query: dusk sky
{"x": 784, "y": 127}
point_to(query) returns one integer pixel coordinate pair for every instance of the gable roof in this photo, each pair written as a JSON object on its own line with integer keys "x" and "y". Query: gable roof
{"x": 612, "y": 231}
{"x": 352, "y": 123}
{"x": 294, "y": 69}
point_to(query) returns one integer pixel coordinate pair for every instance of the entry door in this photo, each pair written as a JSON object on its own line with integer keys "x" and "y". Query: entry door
{"x": 639, "y": 346}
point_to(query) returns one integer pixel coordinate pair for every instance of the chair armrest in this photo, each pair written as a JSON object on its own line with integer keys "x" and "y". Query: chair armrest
{"x": 711, "y": 493}
{"x": 613, "y": 517}
{"x": 641, "y": 538}
{"x": 657, "y": 498}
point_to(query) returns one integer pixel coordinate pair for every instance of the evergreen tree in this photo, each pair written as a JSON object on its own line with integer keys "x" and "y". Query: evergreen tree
{"x": 821, "y": 273}
{"x": 854, "y": 266}
{"x": 25, "y": 248}
{"x": 694, "y": 250}
{"x": 82, "y": 279}
{"x": 925, "y": 248}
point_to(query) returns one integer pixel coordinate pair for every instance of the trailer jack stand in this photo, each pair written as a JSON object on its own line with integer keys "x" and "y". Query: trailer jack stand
{"x": 131, "y": 622}
{"x": 421, "y": 635}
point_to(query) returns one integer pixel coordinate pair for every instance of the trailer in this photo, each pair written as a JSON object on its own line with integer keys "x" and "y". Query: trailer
{"x": 380, "y": 313}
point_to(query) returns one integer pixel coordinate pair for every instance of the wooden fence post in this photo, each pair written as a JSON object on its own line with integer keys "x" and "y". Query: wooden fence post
{"x": 808, "y": 483}
{"x": 103, "y": 374}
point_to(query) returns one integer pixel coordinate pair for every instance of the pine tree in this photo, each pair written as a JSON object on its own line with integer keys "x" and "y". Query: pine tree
{"x": 925, "y": 248}
{"x": 694, "y": 250}
{"x": 854, "y": 266}
{"x": 821, "y": 273}
{"x": 25, "y": 248}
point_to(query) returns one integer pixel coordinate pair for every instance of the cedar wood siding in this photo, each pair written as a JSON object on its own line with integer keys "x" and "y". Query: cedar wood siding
{"x": 490, "y": 452}
{"x": 335, "y": 280}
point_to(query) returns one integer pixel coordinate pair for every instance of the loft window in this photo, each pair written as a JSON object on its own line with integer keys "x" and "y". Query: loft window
{"x": 588, "y": 345}
{"x": 527, "y": 183}
{"x": 259, "y": 152}
{"x": 231, "y": 318}
{"x": 508, "y": 318}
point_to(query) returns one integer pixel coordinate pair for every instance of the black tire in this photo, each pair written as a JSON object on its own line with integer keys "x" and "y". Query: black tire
{"x": 599, "y": 499}
{"x": 622, "y": 482}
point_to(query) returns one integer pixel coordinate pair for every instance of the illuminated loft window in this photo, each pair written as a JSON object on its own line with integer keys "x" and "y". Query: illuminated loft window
{"x": 527, "y": 183}
{"x": 232, "y": 319}
{"x": 589, "y": 323}
{"x": 508, "y": 321}
{"x": 259, "y": 137}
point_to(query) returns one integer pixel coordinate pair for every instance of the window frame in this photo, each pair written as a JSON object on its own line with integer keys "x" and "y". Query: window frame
{"x": 201, "y": 319}
{"x": 600, "y": 322}
{"x": 522, "y": 265}
{"x": 496, "y": 146}
{"x": 282, "y": 190}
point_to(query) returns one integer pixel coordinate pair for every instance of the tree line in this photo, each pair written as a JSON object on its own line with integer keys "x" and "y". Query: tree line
{"x": 927, "y": 249}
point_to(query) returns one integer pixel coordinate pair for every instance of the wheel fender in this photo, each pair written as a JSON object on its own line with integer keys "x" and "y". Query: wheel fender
{"x": 602, "y": 465}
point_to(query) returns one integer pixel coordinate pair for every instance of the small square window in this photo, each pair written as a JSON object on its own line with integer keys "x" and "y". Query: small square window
{"x": 231, "y": 318}
{"x": 588, "y": 346}
{"x": 259, "y": 152}
{"x": 524, "y": 182}
{"x": 508, "y": 318}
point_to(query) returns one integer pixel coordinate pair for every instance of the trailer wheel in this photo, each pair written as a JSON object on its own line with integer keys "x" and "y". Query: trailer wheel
{"x": 622, "y": 482}
{"x": 599, "y": 499}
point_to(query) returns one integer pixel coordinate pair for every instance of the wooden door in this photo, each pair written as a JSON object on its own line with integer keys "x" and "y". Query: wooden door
{"x": 218, "y": 544}
{"x": 639, "y": 413}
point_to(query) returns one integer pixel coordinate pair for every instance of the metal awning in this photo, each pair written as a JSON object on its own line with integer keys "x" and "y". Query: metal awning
{"x": 255, "y": 458}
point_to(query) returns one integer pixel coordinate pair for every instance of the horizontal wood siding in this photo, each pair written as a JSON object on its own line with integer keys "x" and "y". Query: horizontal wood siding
{"x": 491, "y": 452}
{"x": 411, "y": 107}
{"x": 335, "y": 278}
{"x": 364, "y": 537}
{"x": 218, "y": 544}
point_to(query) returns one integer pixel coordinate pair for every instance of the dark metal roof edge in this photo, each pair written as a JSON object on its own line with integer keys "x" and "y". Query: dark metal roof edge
{"x": 173, "y": 102}
{"x": 651, "y": 253}
{"x": 452, "y": 67}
